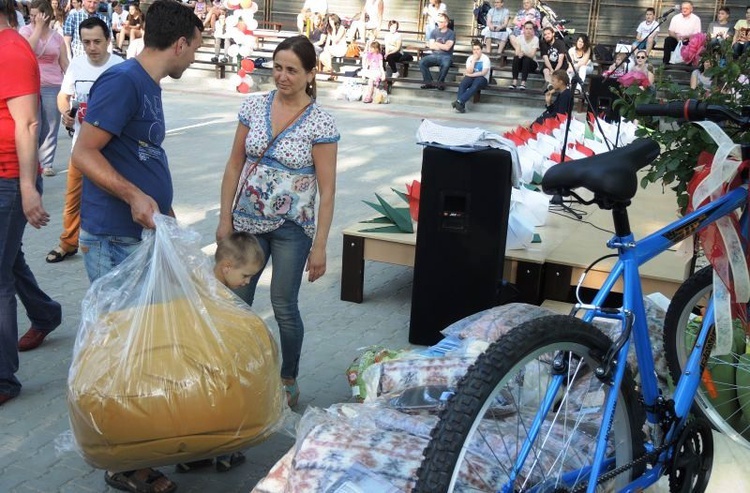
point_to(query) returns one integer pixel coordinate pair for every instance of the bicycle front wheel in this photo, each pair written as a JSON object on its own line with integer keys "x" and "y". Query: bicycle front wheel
{"x": 486, "y": 424}
{"x": 724, "y": 394}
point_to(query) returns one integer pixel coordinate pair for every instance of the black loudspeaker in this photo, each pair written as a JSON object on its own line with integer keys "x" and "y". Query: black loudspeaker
{"x": 602, "y": 97}
{"x": 463, "y": 220}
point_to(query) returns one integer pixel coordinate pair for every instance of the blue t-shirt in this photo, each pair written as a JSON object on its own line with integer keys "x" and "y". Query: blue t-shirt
{"x": 126, "y": 102}
{"x": 443, "y": 37}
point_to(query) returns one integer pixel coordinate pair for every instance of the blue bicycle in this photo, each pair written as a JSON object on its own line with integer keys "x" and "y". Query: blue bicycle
{"x": 553, "y": 407}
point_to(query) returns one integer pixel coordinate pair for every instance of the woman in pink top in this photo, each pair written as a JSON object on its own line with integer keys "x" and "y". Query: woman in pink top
{"x": 49, "y": 47}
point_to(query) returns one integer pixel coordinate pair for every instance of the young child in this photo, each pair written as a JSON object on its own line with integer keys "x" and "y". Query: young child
{"x": 619, "y": 68}
{"x": 238, "y": 258}
{"x": 558, "y": 98}
{"x": 201, "y": 9}
{"x": 372, "y": 69}
{"x": 221, "y": 39}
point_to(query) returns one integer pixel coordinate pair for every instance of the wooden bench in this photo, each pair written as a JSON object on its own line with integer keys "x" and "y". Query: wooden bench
{"x": 220, "y": 68}
{"x": 545, "y": 270}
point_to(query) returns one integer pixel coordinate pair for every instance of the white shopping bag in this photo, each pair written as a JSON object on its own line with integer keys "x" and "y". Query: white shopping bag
{"x": 530, "y": 160}
{"x": 677, "y": 54}
{"x": 534, "y": 204}
{"x": 520, "y": 227}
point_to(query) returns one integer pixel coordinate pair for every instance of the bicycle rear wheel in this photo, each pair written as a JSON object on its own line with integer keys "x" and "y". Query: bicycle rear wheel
{"x": 726, "y": 401}
{"x": 484, "y": 426}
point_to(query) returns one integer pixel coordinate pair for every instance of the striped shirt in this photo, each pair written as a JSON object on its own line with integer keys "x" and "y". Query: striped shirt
{"x": 70, "y": 28}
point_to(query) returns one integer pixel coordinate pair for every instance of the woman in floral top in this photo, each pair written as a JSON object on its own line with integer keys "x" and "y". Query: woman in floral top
{"x": 276, "y": 202}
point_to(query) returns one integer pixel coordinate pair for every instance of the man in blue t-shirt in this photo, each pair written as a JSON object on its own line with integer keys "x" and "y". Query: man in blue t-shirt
{"x": 119, "y": 149}
{"x": 119, "y": 152}
{"x": 441, "y": 43}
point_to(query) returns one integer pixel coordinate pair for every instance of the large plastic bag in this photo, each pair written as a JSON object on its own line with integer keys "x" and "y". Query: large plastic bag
{"x": 169, "y": 365}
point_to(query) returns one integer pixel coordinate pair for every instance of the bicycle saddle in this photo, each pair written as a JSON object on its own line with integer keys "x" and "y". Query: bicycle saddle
{"x": 611, "y": 176}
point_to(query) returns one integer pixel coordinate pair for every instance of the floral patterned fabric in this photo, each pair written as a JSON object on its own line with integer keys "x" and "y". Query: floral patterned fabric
{"x": 283, "y": 185}
{"x": 389, "y": 442}
{"x": 491, "y": 324}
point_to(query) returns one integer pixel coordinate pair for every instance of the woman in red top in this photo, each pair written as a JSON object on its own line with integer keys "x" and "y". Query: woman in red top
{"x": 20, "y": 201}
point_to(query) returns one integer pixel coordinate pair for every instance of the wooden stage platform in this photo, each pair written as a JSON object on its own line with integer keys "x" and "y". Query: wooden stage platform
{"x": 544, "y": 271}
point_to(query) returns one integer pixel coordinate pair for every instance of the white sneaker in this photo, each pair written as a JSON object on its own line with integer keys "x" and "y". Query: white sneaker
{"x": 395, "y": 75}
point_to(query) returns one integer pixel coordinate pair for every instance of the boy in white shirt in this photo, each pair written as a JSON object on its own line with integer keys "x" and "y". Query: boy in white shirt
{"x": 647, "y": 32}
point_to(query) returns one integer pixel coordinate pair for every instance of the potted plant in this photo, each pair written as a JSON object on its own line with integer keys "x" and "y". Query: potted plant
{"x": 682, "y": 143}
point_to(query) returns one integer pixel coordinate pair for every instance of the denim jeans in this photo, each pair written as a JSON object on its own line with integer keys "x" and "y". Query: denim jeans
{"x": 49, "y": 124}
{"x": 444, "y": 61}
{"x": 468, "y": 86}
{"x": 289, "y": 247}
{"x": 17, "y": 279}
{"x": 102, "y": 253}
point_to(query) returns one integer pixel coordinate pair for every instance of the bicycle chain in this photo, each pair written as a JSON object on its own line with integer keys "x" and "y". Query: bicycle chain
{"x": 616, "y": 472}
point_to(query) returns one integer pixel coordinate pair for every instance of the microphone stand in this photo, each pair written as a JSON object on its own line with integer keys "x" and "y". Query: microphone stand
{"x": 660, "y": 20}
{"x": 575, "y": 80}
{"x": 547, "y": 11}
{"x": 644, "y": 42}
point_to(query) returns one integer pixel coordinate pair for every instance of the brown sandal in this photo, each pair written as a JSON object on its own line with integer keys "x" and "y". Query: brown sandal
{"x": 58, "y": 255}
{"x": 130, "y": 481}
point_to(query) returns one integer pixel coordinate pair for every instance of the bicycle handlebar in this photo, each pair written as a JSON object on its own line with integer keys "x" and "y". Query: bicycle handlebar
{"x": 692, "y": 110}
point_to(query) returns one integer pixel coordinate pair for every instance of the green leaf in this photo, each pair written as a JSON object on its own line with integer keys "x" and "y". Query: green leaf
{"x": 400, "y": 216}
{"x": 377, "y": 207}
{"x": 401, "y": 194}
{"x": 385, "y": 229}
{"x": 378, "y": 220}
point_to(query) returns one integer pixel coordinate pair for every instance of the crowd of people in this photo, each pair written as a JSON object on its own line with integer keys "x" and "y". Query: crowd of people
{"x": 530, "y": 32}
{"x": 277, "y": 196}
{"x": 278, "y": 188}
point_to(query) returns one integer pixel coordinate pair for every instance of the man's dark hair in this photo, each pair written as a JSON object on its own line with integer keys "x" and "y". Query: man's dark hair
{"x": 725, "y": 9}
{"x": 8, "y": 9}
{"x": 93, "y": 22}
{"x": 476, "y": 42}
{"x": 651, "y": 9}
{"x": 170, "y": 20}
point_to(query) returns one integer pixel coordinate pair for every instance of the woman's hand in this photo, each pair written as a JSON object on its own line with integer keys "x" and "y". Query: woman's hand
{"x": 223, "y": 230}
{"x": 40, "y": 20}
{"x": 316, "y": 263}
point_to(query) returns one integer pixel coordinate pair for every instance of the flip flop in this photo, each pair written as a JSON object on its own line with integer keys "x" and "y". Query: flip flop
{"x": 292, "y": 394}
{"x": 184, "y": 467}
{"x": 226, "y": 462}
{"x": 126, "y": 481}
{"x": 57, "y": 255}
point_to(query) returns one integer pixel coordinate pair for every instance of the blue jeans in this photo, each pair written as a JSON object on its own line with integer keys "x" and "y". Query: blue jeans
{"x": 289, "y": 246}
{"x": 102, "y": 253}
{"x": 433, "y": 60}
{"x": 49, "y": 124}
{"x": 17, "y": 279}
{"x": 468, "y": 86}
{"x": 739, "y": 48}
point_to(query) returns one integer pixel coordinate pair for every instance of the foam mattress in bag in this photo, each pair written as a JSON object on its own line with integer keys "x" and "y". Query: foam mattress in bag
{"x": 160, "y": 382}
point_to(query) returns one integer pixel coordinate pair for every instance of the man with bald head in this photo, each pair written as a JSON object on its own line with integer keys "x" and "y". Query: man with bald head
{"x": 681, "y": 28}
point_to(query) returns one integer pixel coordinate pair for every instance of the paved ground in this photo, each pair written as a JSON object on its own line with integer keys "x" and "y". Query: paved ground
{"x": 377, "y": 151}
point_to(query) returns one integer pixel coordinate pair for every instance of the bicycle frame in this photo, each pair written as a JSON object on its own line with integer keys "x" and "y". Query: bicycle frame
{"x": 632, "y": 255}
